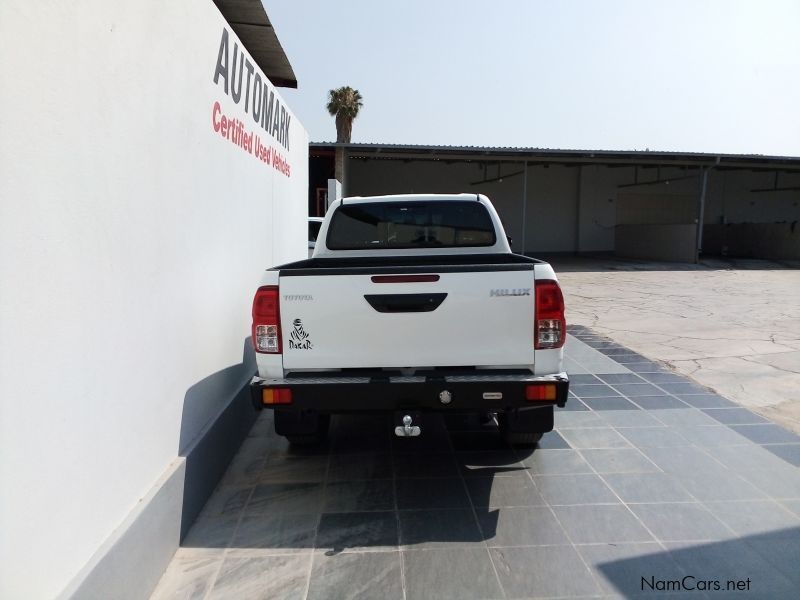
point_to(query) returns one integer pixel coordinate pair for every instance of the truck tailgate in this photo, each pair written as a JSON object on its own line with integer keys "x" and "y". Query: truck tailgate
{"x": 452, "y": 318}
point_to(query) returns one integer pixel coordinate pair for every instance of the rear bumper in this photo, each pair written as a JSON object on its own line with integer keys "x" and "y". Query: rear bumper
{"x": 365, "y": 394}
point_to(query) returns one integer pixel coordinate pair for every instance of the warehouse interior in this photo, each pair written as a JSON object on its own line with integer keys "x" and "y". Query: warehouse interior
{"x": 635, "y": 204}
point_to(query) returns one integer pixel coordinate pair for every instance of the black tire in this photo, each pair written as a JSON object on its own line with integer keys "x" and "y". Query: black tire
{"x": 305, "y": 440}
{"x": 308, "y": 431}
{"x": 515, "y": 438}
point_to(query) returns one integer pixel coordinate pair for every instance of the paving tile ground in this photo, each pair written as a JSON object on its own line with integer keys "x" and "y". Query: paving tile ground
{"x": 647, "y": 480}
{"x": 732, "y": 325}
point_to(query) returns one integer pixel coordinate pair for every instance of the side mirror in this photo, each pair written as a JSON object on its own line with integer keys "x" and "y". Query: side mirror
{"x": 510, "y": 241}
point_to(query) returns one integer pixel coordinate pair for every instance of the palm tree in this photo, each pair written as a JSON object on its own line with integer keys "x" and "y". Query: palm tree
{"x": 344, "y": 104}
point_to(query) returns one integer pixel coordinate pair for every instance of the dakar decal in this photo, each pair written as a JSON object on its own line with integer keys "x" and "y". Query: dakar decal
{"x": 299, "y": 338}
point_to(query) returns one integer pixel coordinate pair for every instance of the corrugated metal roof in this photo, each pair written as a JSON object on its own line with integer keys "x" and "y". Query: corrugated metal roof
{"x": 559, "y": 152}
{"x": 250, "y": 22}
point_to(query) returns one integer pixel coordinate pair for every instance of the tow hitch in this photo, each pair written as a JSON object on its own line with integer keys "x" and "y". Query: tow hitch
{"x": 407, "y": 429}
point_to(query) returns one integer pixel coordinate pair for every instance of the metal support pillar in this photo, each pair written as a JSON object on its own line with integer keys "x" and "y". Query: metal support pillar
{"x": 578, "y": 212}
{"x": 524, "y": 202}
{"x": 345, "y": 186}
{"x": 700, "y": 214}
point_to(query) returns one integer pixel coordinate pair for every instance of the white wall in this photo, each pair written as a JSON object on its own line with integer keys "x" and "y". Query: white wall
{"x": 552, "y": 209}
{"x": 132, "y": 237}
{"x": 740, "y": 205}
{"x": 598, "y": 191}
{"x": 639, "y": 208}
{"x": 728, "y": 194}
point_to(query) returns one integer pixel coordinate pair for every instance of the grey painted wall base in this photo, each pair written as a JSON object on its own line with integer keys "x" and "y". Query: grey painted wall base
{"x": 131, "y": 561}
{"x": 211, "y": 453}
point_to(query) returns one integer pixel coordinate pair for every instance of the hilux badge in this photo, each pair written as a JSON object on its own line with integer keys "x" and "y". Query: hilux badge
{"x": 512, "y": 292}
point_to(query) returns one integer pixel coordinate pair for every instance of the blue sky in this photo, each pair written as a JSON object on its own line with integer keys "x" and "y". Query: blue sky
{"x": 696, "y": 75}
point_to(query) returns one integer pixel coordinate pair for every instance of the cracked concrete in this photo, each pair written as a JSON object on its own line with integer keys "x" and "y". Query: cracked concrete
{"x": 733, "y": 326}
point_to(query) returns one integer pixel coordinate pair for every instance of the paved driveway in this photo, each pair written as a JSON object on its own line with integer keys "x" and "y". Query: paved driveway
{"x": 733, "y": 326}
{"x": 649, "y": 481}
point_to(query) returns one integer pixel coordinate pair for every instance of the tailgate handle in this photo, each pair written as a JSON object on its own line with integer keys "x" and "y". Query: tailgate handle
{"x": 396, "y": 303}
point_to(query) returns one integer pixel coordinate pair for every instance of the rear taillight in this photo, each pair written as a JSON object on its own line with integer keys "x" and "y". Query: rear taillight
{"x": 550, "y": 326}
{"x": 276, "y": 396}
{"x": 540, "y": 391}
{"x": 267, "y": 320}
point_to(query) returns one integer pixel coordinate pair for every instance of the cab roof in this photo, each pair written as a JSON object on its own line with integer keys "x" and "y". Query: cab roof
{"x": 414, "y": 198}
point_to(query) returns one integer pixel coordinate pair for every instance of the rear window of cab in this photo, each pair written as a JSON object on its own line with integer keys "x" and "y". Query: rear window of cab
{"x": 418, "y": 224}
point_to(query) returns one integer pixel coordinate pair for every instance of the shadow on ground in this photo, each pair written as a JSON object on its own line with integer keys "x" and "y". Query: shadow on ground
{"x": 365, "y": 488}
{"x": 763, "y": 565}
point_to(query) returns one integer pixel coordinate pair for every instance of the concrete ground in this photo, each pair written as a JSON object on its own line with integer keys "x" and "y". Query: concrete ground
{"x": 733, "y": 326}
{"x": 648, "y": 482}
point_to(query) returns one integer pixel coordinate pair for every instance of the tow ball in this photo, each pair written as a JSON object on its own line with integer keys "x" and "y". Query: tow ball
{"x": 407, "y": 429}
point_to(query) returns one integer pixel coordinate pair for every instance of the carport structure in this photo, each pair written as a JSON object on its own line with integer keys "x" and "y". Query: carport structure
{"x": 639, "y": 204}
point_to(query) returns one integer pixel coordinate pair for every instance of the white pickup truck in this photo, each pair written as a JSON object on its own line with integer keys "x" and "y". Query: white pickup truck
{"x": 410, "y": 304}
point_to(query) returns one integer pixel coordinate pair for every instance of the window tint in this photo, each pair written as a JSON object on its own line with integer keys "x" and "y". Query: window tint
{"x": 442, "y": 224}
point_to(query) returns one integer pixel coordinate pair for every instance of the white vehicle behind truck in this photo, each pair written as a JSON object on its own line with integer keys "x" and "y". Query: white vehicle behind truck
{"x": 410, "y": 304}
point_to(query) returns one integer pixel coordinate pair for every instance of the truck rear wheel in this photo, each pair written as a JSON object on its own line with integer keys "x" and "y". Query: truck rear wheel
{"x": 525, "y": 427}
{"x": 302, "y": 428}
{"x": 515, "y": 438}
{"x": 305, "y": 440}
